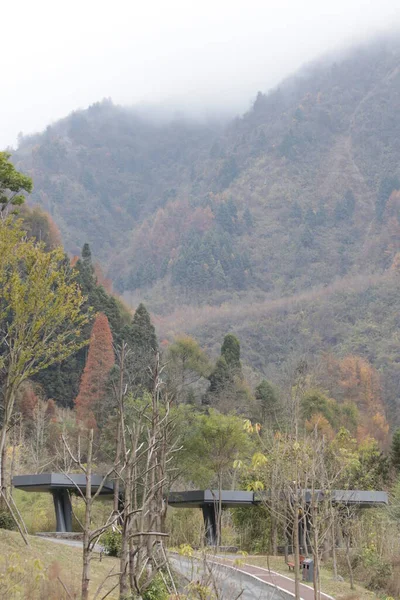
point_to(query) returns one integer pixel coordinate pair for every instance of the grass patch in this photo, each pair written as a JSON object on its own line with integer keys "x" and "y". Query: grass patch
{"x": 37, "y": 510}
{"x": 34, "y": 572}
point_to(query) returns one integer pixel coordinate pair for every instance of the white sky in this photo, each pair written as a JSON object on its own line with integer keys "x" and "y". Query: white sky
{"x": 197, "y": 56}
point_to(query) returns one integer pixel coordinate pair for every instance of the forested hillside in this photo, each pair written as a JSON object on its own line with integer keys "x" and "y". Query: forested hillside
{"x": 87, "y": 386}
{"x": 282, "y": 226}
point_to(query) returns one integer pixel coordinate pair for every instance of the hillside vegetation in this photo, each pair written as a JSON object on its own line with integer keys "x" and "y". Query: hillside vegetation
{"x": 46, "y": 569}
{"x": 87, "y": 386}
{"x": 295, "y": 199}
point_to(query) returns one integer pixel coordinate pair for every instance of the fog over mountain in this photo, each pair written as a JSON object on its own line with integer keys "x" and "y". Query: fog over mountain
{"x": 202, "y": 59}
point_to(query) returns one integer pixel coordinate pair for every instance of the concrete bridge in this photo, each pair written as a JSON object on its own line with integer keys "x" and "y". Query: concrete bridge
{"x": 61, "y": 486}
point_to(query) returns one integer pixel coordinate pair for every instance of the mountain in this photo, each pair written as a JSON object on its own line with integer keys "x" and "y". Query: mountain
{"x": 282, "y": 225}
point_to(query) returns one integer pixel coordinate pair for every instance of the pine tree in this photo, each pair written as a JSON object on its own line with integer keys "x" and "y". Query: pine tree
{"x": 141, "y": 338}
{"x": 90, "y": 400}
{"x": 230, "y": 351}
{"x": 86, "y": 254}
{"x": 395, "y": 450}
{"x": 220, "y": 376}
{"x": 61, "y": 382}
{"x": 227, "y": 372}
{"x": 267, "y": 397}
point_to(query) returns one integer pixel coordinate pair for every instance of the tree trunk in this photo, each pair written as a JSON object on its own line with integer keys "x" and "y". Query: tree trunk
{"x": 334, "y": 555}
{"x": 274, "y": 536}
{"x": 86, "y": 531}
{"x": 12, "y": 466}
{"x": 8, "y": 407}
{"x": 349, "y": 562}
{"x": 296, "y": 552}
{"x": 120, "y": 426}
{"x": 3, "y": 477}
{"x": 219, "y": 514}
{"x": 116, "y": 477}
{"x": 124, "y": 558}
{"x": 315, "y": 554}
{"x": 305, "y": 534}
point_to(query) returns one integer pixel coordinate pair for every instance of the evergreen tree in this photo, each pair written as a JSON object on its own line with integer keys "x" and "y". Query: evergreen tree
{"x": 267, "y": 398}
{"x": 12, "y": 184}
{"x": 142, "y": 339}
{"x": 220, "y": 376}
{"x": 97, "y": 296}
{"x": 230, "y": 351}
{"x": 227, "y": 370}
{"x": 395, "y": 450}
{"x": 92, "y": 390}
{"x": 61, "y": 382}
{"x": 87, "y": 254}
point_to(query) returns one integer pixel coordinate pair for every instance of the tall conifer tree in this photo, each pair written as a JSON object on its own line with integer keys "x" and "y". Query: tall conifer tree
{"x": 142, "y": 339}
{"x": 92, "y": 391}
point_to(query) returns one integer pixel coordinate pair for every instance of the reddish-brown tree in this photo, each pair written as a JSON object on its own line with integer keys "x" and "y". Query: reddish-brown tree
{"x": 92, "y": 390}
{"x": 27, "y": 402}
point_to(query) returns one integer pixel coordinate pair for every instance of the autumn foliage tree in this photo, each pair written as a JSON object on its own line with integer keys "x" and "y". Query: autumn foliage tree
{"x": 354, "y": 382}
{"x": 93, "y": 386}
{"x": 27, "y": 402}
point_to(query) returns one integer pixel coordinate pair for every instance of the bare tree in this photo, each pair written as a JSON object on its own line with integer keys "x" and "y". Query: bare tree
{"x": 146, "y": 441}
{"x": 90, "y": 536}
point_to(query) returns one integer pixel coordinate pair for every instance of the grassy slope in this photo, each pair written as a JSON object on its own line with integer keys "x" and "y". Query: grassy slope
{"x": 37, "y": 511}
{"x": 31, "y": 572}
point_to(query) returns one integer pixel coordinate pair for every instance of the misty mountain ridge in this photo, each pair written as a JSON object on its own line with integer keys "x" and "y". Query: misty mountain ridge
{"x": 296, "y": 195}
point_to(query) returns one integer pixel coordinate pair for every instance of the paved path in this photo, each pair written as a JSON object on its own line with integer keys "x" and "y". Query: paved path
{"x": 68, "y": 542}
{"x": 282, "y": 582}
{"x": 231, "y": 583}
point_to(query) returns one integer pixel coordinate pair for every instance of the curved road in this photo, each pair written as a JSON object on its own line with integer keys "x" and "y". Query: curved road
{"x": 245, "y": 581}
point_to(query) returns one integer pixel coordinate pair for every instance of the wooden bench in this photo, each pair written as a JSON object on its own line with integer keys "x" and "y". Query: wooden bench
{"x": 290, "y": 564}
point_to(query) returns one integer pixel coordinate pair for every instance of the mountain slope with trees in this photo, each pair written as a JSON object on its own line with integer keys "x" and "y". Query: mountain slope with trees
{"x": 298, "y": 194}
{"x": 158, "y": 416}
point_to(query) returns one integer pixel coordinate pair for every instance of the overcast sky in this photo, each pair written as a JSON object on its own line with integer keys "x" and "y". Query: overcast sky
{"x": 193, "y": 55}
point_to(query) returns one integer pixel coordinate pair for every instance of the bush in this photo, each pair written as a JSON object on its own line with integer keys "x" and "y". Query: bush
{"x": 379, "y": 570}
{"x": 186, "y": 526}
{"x": 253, "y": 527}
{"x": 156, "y": 590}
{"x": 380, "y": 575}
{"x": 111, "y": 541}
{"x": 6, "y": 520}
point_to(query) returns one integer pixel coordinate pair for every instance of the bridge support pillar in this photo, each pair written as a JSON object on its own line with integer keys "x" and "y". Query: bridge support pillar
{"x": 63, "y": 509}
{"x": 210, "y": 524}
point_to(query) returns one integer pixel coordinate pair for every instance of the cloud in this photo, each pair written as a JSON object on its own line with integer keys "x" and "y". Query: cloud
{"x": 195, "y": 56}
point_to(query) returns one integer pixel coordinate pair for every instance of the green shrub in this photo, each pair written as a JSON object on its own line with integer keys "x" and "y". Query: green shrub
{"x": 6, "y": 520}
{"x": 156, "y": 590}
{"x": 379, "y": 570}
{"x": 111, "y": 541}
{"x": 379, "y": 576}
{"x": 253, "y": 528}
